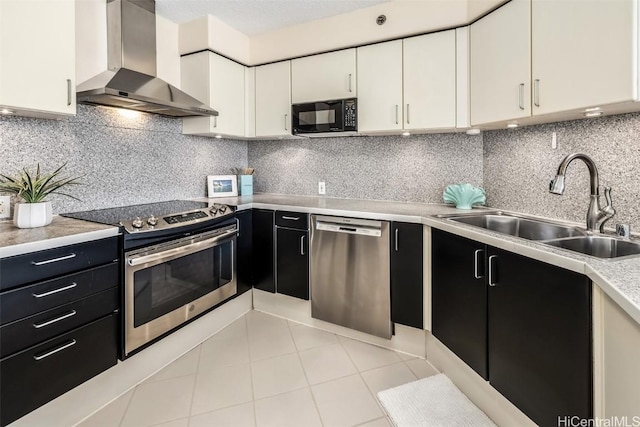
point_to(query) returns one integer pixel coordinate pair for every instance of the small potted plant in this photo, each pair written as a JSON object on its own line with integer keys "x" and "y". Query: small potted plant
{"x": 33, "y": 188}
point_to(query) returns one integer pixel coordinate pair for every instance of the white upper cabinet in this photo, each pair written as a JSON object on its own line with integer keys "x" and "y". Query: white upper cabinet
{"x": 324, "y": 77}
{"x": 37, "y": 57}
{"x": 430, "y": 81}
{"x": 380, "y": 87}
{"x": 219, "y": 83}
{"x": 582, "y": 53}
{"x": 273, "y": 99}
{"x": 500, "y": 56}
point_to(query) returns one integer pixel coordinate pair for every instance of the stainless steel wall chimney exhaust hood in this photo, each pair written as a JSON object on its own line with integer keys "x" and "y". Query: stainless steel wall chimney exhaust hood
{"x": 130, "y": 81}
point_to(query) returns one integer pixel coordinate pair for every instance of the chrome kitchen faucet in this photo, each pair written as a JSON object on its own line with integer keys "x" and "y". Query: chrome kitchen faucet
{"x": 596, "y": 216}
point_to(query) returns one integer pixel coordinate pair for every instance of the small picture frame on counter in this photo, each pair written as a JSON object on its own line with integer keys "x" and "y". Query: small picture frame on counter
{"x": 222, "y": 186}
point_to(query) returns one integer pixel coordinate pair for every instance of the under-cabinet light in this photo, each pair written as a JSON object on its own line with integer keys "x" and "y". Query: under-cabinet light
{"x": 512, "y": 125}
{"x": 6, "y": 111}
{"x": 473, "y": 131}
{"x": 406, "y": 133}
{"x": 593, "y": 113}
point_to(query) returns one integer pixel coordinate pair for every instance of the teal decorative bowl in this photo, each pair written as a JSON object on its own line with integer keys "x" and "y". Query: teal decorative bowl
{"x": 464, "y": 195}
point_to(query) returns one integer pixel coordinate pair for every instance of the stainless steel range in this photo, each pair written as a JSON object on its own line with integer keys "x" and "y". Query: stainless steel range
{"x": 179, "y": 262}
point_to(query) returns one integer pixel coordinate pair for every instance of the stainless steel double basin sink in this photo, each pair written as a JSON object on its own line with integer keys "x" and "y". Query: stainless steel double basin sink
{"x": 561, "y": 236}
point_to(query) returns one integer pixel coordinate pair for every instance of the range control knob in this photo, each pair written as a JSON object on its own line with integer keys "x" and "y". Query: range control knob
{"x": 152, "y": 221}
{"x": 137, "y": 223}
{"x": 213, "y": 211}
{"x": 223, "y": 209}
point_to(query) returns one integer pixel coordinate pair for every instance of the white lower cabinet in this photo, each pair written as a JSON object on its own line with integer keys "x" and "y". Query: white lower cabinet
{"x": 380, "y": 87}
{"x": 37, "y": 57}
{"x": 429, "y": 67}
{"x": 220, "y": 83}
{"x": 273, "y": 100}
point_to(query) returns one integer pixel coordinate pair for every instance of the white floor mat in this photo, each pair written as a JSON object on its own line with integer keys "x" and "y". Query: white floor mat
{"x": 432, "y": 402}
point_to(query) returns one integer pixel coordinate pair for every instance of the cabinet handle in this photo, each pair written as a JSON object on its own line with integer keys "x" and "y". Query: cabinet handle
{"x": 350, "y": 87}
{"x": 521, "y": 96}
{"x": 536, "y": 92}
{"x": 285, "y": 122}
{"x": 237, "y": 227}
{"x": 57, "y": 319}
{"x": 408, "y": 114}
{"x": 396, "y": 239}
{"x": 49, "y": 353}
{"x": 68, "y": 92}
{"x": 49, "y": 261}
{"x": 302, "y": 244}
{"x": 491, "y": 281}
{"x": 55, "y": 291}
{"x": 396, "y": 113}
{"x": 476, "y": 273}
{"x": 292, "y": 218}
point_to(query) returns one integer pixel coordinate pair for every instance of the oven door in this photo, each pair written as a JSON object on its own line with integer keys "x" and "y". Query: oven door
{"x": 170, "y": 283}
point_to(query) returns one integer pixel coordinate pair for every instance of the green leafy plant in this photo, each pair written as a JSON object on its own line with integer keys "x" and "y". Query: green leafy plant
{"x": 35, "y": 187}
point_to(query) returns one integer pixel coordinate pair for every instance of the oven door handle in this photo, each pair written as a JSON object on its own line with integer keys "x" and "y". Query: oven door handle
{"x": 182, "y": 250}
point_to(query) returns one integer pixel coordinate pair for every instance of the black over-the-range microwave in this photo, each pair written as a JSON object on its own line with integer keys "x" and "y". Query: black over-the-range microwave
{"x": 325, "y": 116}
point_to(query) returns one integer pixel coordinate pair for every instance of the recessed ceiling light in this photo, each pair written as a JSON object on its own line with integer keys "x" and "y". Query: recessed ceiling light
{"x": 6, "y": 111}
{"x": 512, "y": 125}
{"x": 473, "y": 131}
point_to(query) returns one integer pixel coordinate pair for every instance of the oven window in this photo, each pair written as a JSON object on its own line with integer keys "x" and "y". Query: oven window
{"x": 165, "y": 287}
{"x": 320, "y": 117}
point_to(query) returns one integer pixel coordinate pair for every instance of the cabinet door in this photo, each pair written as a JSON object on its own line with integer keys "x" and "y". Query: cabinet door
{"x": 262, "y": 258}
{"x": 540, "y": 337}
{"x": 37, "y": 56}
{"x": 406, "y": 275}
{"x": 292, "y": 262}
{"x": 324, "y": 77}
{"x": 459, "y": 297}
{"x": 500, "y": 64}
{"x": 273, "y": 99}
{"x": 582, "y": 53}
{"x": 244, "y": 250}
{"x": 219, "y": 83}
{"x": 380, "y": 86}
{"x": 430, "y": 81}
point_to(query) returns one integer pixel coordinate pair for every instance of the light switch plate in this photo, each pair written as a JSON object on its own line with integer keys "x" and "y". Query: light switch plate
{"x": 5, "y": 205}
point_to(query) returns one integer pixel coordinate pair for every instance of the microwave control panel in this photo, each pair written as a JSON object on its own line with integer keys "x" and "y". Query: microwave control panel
{"x": 350, "y": 121}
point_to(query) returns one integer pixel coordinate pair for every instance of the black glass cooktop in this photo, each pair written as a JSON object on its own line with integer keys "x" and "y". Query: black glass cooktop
{"x": 113, "y": 216}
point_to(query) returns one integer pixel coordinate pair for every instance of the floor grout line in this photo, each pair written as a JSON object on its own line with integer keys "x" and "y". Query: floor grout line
{"x": 253, "y": 396}
{"x": 195, "y": 383}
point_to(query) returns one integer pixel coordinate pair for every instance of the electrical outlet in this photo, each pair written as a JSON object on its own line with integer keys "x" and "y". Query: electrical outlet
{"x": 554, "y": 141}
{"x": 321, "y": 188}
{"x": 5, "y": 204}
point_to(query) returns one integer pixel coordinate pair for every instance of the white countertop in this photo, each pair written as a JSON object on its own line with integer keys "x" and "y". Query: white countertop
{"x": 619, "y": 279}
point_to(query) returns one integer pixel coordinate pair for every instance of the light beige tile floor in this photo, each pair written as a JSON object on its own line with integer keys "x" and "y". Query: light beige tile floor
{"x": 264, "y": 371}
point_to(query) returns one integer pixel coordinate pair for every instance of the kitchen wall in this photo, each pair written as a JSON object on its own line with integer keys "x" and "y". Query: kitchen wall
{"x": 415, "y": 168}
{"x": 122, "y": 160}
{"x": 519, "y": 164}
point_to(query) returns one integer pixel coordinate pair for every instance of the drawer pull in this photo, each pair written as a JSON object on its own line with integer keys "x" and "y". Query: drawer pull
{"x": 55, "y": 291}
{"x": 291, "y": 218}
{"x": 49, "y": 353}
{"x": 57, "y": 319}
{"x": 49, "y": 261}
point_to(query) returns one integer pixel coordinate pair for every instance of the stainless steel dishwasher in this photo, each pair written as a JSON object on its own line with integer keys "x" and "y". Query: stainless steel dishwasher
{"x": 350, "y": 273}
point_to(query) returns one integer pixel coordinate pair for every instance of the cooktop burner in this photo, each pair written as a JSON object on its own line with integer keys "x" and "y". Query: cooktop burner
{"x": 155, "y": 216}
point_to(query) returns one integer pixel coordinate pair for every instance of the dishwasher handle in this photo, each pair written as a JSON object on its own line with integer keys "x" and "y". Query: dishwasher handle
{"x": 360, "y": 230}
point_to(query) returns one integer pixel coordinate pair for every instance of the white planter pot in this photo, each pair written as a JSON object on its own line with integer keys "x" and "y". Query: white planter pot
{"x": 32, "y": 215}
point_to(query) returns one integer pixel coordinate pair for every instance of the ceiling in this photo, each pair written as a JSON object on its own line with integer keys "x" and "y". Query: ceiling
{"x": 253, "y": 17}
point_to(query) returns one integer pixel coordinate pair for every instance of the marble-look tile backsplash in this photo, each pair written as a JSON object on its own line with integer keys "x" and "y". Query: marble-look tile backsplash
{"x": 415, "y": 168}
{"x": 122, "y": 160}
{"x": 519, "y": 164}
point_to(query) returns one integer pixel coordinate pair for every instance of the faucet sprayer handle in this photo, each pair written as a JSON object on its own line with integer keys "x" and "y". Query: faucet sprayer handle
{"x": 607, "y": 196}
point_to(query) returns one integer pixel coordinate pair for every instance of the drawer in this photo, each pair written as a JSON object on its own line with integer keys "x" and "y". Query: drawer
{"x": 28, "y": 300}
{"x": 35, "y": 376}
{"x": 36, "y": 266}
{"x": 26, "y": 332}
{"x": 297, "y": 220}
